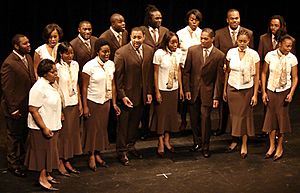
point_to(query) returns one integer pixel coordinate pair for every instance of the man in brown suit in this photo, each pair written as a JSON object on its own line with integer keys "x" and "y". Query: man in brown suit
{"x": 17, "y": 77}
{"x": 224, "y": 40}
{"x": 117, "y": 36}
{"x": 83, "y": 45}
{"x": 133, "y": 75}
{"x": 202, "y": 86}
{"x": 154, "y": 34}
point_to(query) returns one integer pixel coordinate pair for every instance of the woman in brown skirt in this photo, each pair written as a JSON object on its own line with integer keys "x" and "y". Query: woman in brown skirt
{"x": 240, "y": 88}
{"x": 44, "y": 121}
{"x": 167, "y": 82}
{"x": 69, "y": 141}
{"x": 98, "y": 88}
{"x": 279, "y": 81}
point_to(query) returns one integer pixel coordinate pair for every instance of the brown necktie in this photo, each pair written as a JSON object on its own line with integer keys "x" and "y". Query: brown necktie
{"x": 24, "y": 60}
{"x": 205, "y": 55}
{"x": 120, "y": 39}
{"x": 154, "y": 35}
{"x": 139, "y": 54}
{"x": 88, "y": 46}
{"x": 233, "y": 37}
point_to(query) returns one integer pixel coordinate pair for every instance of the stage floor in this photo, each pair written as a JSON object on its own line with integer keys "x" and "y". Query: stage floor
{"x": 183, "y": 171}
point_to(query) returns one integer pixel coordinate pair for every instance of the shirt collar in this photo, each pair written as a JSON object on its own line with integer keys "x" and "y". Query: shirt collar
{"x": 209, "y": 49}
{"x": 139, "y": 49}
{"x": 114, "y": 32}
{"x": 236, "y": 30}
{"x": 83, "y": 40}
{"x": 19, "y": 55}
{"x": 151, "y": 28}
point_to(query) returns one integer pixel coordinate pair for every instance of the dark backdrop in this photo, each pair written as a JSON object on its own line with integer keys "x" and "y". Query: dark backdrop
{"x": 30, "y": 17}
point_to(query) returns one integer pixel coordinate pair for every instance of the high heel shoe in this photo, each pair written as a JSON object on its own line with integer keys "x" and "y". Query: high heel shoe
{"x": 64, "y": 173}
{"x": 51, "y": 188}
{"x": 268, "y": 156}
{"x": 277, "y": 157}
{"x": 160, "y": 154}
{"x": 92, "y": 165}
{"x": 171, "y": 150}
{"x": 103, "y": 164}
{"x": 53, "y": 180}
{"x": 244, "y": 155}
{"x": 72, "y": 170}
{"x": 231, "y": 149}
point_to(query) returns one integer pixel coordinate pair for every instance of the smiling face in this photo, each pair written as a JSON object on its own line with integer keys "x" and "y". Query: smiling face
{"x": 137, "y": 38}
{"x": 68, "y": 55}
{"x": 104, "y": 53}
{"x": 85, "y": 30}
{"x": 233, "y": 19}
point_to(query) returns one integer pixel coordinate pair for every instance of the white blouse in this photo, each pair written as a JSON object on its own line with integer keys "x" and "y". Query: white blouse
{"x": 97, "y": 85}
{"x": 44, "y": 54}
{"x": 187, "y": 40}
{"x": 239, "y": 69}
{"x": 275, "y": 64}
{"x": 47, "y": 98}
{"x": 68, "y": 80}
{"x": 163, "y": 59}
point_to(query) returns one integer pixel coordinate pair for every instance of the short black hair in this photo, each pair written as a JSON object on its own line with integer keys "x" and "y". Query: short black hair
{"x": 196, "y": 12}
{"x": 16, "y": 39}
{"x": 99, "y": 43}
{"x": 44, "y": 67}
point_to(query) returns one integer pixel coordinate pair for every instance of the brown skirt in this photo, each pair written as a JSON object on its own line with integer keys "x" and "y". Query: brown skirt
{"x": 41, "y": 153}
{"x": 95, "y": 137}
{"x": 277, "y": 113}
{"x": 69, "y": 141}
{"x": 241, "y": 113}
{"x": 165, "y": 117}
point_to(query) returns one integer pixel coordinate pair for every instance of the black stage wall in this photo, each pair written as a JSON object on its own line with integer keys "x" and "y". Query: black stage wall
{"x": 30, "y": 17}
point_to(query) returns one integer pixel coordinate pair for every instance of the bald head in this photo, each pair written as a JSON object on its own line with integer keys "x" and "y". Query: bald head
{"x": 117, "y": 22}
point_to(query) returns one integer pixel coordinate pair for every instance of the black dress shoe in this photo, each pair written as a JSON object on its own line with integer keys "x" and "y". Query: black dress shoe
{"x": 18, "y": 172}
{"x": 136, "y": 154}
{"x": 195, "y": 147}
{"x": 206, "y": 153}
{"x": 218, "y": 133}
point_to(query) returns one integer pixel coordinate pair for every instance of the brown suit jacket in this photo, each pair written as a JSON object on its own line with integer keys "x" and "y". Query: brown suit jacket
{"x": 133, "y": 76}
{"x": 265, "y": 45}
{"x": 16, "y": 82}
{"x": 223, "y": 39}
{"x": 203, "y": 77}
{"x": 81, "y": 53}
{"x": 149, "y": 40}
{"x": 113, "y": 42}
